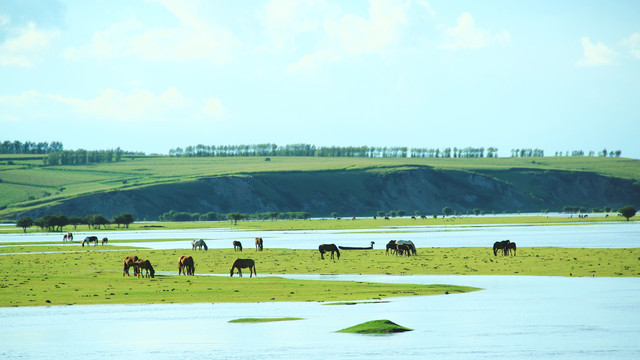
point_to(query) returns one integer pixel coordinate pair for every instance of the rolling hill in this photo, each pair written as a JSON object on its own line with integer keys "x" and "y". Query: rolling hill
{"x": 148, "y": 186}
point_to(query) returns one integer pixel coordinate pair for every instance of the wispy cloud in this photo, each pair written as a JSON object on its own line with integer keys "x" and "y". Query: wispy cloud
{"x": 24, "y": 46}
{"x": 466, "y": 35}
{"x": 346, "y": 35}
{"x": 195, "y": 38}
{"x": 633, "y": 43}
{"x": 138, "y": 105}
{"x": 595, "y": 54}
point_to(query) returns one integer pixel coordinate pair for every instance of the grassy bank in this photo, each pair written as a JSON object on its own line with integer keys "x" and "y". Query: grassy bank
{"x": 94, "y": 276}
{"x": 359, "y": 223}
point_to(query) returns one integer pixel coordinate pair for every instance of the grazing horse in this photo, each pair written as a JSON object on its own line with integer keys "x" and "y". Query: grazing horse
{"x": 403, "y": 249}
{"x": 500, "y": 245}
{"x": 67, "y": 237}
{"x": 511, "y": 246}
{"x": 185, "y": 265}
{"x": 104, "y": 240}
{"x": 244, "y": 263}
{"x": 410, "y": 245}
{"x": 391, "y": 245}
{"x": 259, "y": 244}
{"x": 145, "y": 265}
{"x": 328, "y": 247}
{"x": 130, "y": 261}
{"x": 199, "y": 244}
{"x": 237, "y": 246}
{"x": 89, "y": 239}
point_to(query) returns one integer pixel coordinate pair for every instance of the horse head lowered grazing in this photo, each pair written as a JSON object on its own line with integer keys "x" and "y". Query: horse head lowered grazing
{"x": 145, "y": 265}
{"x": 199, "y": 244}
{"x": 186, "y": 265}
{"x": 328, "y": 247}
{"x": 259, "y": 244}
{"x": 237, "y": 246}
{"x": 244, "y": 263}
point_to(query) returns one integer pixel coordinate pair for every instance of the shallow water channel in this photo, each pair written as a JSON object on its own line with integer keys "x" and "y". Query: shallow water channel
{"x": 514, "y": 317}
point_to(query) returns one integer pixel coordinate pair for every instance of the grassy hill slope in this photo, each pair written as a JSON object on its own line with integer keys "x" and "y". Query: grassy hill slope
{"x": 354, "y": 185}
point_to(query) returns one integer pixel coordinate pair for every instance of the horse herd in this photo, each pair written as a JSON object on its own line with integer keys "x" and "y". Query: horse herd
{"x": 186, "y": 264}
{"x": 87, "y": 240}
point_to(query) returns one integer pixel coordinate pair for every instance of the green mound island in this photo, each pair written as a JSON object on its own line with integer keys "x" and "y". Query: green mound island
{"x": 375, "y": 327}
{"x": 263, "y": 320}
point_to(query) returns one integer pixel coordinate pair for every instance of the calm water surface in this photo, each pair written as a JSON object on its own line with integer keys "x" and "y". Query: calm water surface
{"x": 515, "y": 317}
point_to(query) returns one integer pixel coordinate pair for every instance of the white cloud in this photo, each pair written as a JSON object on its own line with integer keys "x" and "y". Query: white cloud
{"x": 357, "y": 35}
{"x": 633, "y": 43}
{"x": 595, "y": 54}
{"x": 24, "y": 46}
{"x": 194, "y": 39}
{"x": 138, "y": 105}
{"x": 466, "y": 35}
{"x": 213, "y": 107}
{"x": 428, "y": 8}
{"x": 347, "y": 35}
{"x": 284, "y": 20}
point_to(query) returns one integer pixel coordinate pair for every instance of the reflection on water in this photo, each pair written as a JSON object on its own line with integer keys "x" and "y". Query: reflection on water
{"x": 514, "y": 317}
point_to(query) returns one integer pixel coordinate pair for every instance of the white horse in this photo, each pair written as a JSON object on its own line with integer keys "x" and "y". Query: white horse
{"x": 199, "y": 244}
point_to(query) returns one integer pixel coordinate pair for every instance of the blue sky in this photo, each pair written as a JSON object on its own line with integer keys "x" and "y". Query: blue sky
{"x": 155, "y": 75}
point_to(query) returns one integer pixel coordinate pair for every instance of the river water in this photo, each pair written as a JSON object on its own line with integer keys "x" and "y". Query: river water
{"x": 513, "y": 317}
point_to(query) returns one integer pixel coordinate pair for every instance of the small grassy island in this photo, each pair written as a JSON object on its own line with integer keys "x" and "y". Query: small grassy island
{"x": 375, "y": 327}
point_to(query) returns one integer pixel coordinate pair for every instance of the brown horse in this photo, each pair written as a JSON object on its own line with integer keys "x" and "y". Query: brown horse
{"x": 145, "y": 265}
{"x": 237, "y": 246}
{"x": 259, "y": 245}
{"x": 130, "y": 261}
{"x": 67, "y": 236}
{"x": 104, "y": 240}
{"x": 328, "y": 247}
{"x": 403, "y": 249}
{"x": 185, "y": 265}
{"x": 391, "y": 245}
{"x": 244, "y": 263}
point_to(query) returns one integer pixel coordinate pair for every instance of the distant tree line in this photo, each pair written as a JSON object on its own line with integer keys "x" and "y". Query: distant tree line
{"x": 329, "y": 151}
{"x": 29, "y": 147}
{"x": 58, "y": 222}
{"x": 173, "y": 215}
{"x": 601, "y": 153}
{"x": 80, "y": 157}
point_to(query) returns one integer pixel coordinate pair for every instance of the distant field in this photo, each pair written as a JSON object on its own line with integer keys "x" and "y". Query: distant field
{"x": 26, "y": 183}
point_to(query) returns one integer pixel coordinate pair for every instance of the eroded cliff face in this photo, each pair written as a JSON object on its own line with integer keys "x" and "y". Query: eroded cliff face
{"x": 361, "y": 193}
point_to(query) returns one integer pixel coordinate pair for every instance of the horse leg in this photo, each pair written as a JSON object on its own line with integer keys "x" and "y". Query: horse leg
{"x": 239, "y": 272}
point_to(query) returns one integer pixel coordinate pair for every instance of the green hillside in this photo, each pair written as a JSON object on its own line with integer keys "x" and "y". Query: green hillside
{"x": 26, "y": 184}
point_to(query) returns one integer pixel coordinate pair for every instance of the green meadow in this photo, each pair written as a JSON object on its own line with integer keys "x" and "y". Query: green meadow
{"x": 61, "y": 275}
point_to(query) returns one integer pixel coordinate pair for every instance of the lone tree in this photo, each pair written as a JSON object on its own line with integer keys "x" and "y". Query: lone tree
{"x": 628, "y": 212}
{"x": 24, "y": 223}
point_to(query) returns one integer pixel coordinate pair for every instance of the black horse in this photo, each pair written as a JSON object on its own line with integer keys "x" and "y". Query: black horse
{"x": 237, "y": 246}
{"x": 328, "y": 247}
{"x": 244, "y": 263}
{"x": 501, "y": 245}
{"x": 511, "y": 246}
